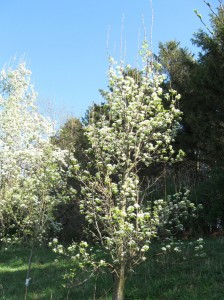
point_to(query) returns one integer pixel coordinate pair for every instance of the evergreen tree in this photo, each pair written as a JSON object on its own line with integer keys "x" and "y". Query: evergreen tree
{"x": 200, "y": 82}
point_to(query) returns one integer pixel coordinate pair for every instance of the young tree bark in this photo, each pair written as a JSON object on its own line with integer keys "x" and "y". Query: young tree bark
{"x": 119, "y": 283}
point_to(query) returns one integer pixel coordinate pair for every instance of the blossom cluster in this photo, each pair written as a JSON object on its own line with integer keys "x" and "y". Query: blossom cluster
{"x": 175, "y": 212}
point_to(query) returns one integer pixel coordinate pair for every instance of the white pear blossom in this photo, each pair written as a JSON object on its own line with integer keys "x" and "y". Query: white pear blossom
{"x": 135, "y": 129}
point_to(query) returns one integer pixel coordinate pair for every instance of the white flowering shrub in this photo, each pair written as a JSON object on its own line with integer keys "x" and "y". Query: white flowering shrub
{"x": 31, "y": 168}
{"x": 86, "y": 261}
{"x": 183, "y": 250}
{"x": 175, "y": 213}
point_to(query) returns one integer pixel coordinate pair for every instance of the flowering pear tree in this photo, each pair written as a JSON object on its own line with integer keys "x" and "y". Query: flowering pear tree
{"x": 31, "y": 168}
{"x": 135, "y": 129}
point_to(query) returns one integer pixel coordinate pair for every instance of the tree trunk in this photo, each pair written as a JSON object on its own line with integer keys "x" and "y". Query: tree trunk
{"x": 119, "y": 282}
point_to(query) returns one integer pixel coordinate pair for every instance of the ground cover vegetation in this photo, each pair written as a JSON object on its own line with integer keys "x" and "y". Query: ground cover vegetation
{"x": 161, "y": 277}
{"x": 105, "y": 201}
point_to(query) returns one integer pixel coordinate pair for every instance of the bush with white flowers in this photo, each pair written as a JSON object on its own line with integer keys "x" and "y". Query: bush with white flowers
{"x": 31, "y": 168}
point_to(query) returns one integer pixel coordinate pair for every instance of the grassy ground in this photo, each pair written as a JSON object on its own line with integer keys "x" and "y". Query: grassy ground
{"x": 161, "y": 278}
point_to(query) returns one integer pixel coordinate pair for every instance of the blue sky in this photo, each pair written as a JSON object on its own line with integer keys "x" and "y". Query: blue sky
{"x": 65, "y": 42}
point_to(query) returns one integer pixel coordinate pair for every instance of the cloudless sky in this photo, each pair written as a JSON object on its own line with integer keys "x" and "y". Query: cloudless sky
{"x": 65, "y": 42}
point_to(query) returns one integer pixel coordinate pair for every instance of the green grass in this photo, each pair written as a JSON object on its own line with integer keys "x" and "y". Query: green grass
{"x": 160, "y": 278}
